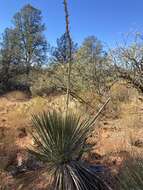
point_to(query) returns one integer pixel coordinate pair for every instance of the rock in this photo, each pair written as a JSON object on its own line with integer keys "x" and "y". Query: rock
{"x": 4, "y": 119}
{"x": 139, "y": 143}
{"x": 105, "y": 123}
{"x": 33, "y": 164}
{"x": 97, "y": 168}
{"x": 16, "y": 170}
{"x": 140, "y": 98}
{"x": 94, "y": 156}
{"x": 23, "y": 166}
{"x": 2, "y": 132}
{"x": 22, "y": 132}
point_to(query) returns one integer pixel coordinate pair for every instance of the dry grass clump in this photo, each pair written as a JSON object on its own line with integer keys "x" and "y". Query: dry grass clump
{"x": 120, "y": 92}
{"x": 17, "y": 95}
{"x": 122, "y": 96}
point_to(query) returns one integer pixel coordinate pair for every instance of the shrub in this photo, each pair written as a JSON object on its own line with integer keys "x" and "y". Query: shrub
{"x": 131, "y": 176}
{"x": 61, "y": 142}
{"x": 120, "y": 94}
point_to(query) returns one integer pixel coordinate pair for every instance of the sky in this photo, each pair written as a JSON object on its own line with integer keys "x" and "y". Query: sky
{"x": 106, "y": 19}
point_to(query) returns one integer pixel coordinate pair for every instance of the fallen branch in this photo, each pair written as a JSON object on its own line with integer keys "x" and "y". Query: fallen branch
{"x": 74, "y": 95}
{"x": 100, "y": 111}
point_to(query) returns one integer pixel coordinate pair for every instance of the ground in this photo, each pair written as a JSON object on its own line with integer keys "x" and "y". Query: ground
{"x": 117, "y": 133}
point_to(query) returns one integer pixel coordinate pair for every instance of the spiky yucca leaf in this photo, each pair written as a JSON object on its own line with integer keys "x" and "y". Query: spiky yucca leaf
{"x": 60, "y": 138}
{"x": 61, "y": 142}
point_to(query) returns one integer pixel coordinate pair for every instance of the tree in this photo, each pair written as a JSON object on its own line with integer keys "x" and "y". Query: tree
{"x": 93, "y": 63}
{"x": 10, "y": 56}
{"x": 91, "y": 69}
{"x": 91, "y": 48}
{"x": 29, "y": 29}
{"x": 128, "y": 59}
{"x": 60, "y": 54}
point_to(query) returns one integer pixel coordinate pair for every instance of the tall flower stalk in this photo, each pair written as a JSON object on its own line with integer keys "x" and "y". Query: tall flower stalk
{"x": 69, "y": 51}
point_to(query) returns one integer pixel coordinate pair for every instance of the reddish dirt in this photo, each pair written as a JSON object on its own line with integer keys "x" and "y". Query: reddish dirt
{"x": 113, "y": 138}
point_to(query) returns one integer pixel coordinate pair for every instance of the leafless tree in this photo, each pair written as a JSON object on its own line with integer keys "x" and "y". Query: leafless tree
{"x": 128, "y": 59}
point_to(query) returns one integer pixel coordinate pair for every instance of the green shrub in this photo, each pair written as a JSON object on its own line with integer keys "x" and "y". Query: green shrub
{"x": 131, "y": 176}
{"x": 61, "y": 142}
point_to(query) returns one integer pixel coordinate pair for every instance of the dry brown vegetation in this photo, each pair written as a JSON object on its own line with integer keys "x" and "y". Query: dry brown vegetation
{"x": 117, "y": 133}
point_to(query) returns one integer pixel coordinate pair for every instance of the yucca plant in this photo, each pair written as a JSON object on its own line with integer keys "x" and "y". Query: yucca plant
{"x": 131, "y": 176}
{"x": 60, "y": 143}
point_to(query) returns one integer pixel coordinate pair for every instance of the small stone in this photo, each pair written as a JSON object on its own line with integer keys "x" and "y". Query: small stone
{"x": 16, "y": 170}
{"x": 140, "y": 98}
{"x": 22, "y": 132}
{"x": 139, "y": 143}
{"x": 4, "y": 120}
{"x": 105, "y": 123}
{"x": 33, "y": 164}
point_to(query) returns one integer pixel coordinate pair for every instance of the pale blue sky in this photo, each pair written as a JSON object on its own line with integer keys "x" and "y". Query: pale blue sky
{"x": 106, "y": 19}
